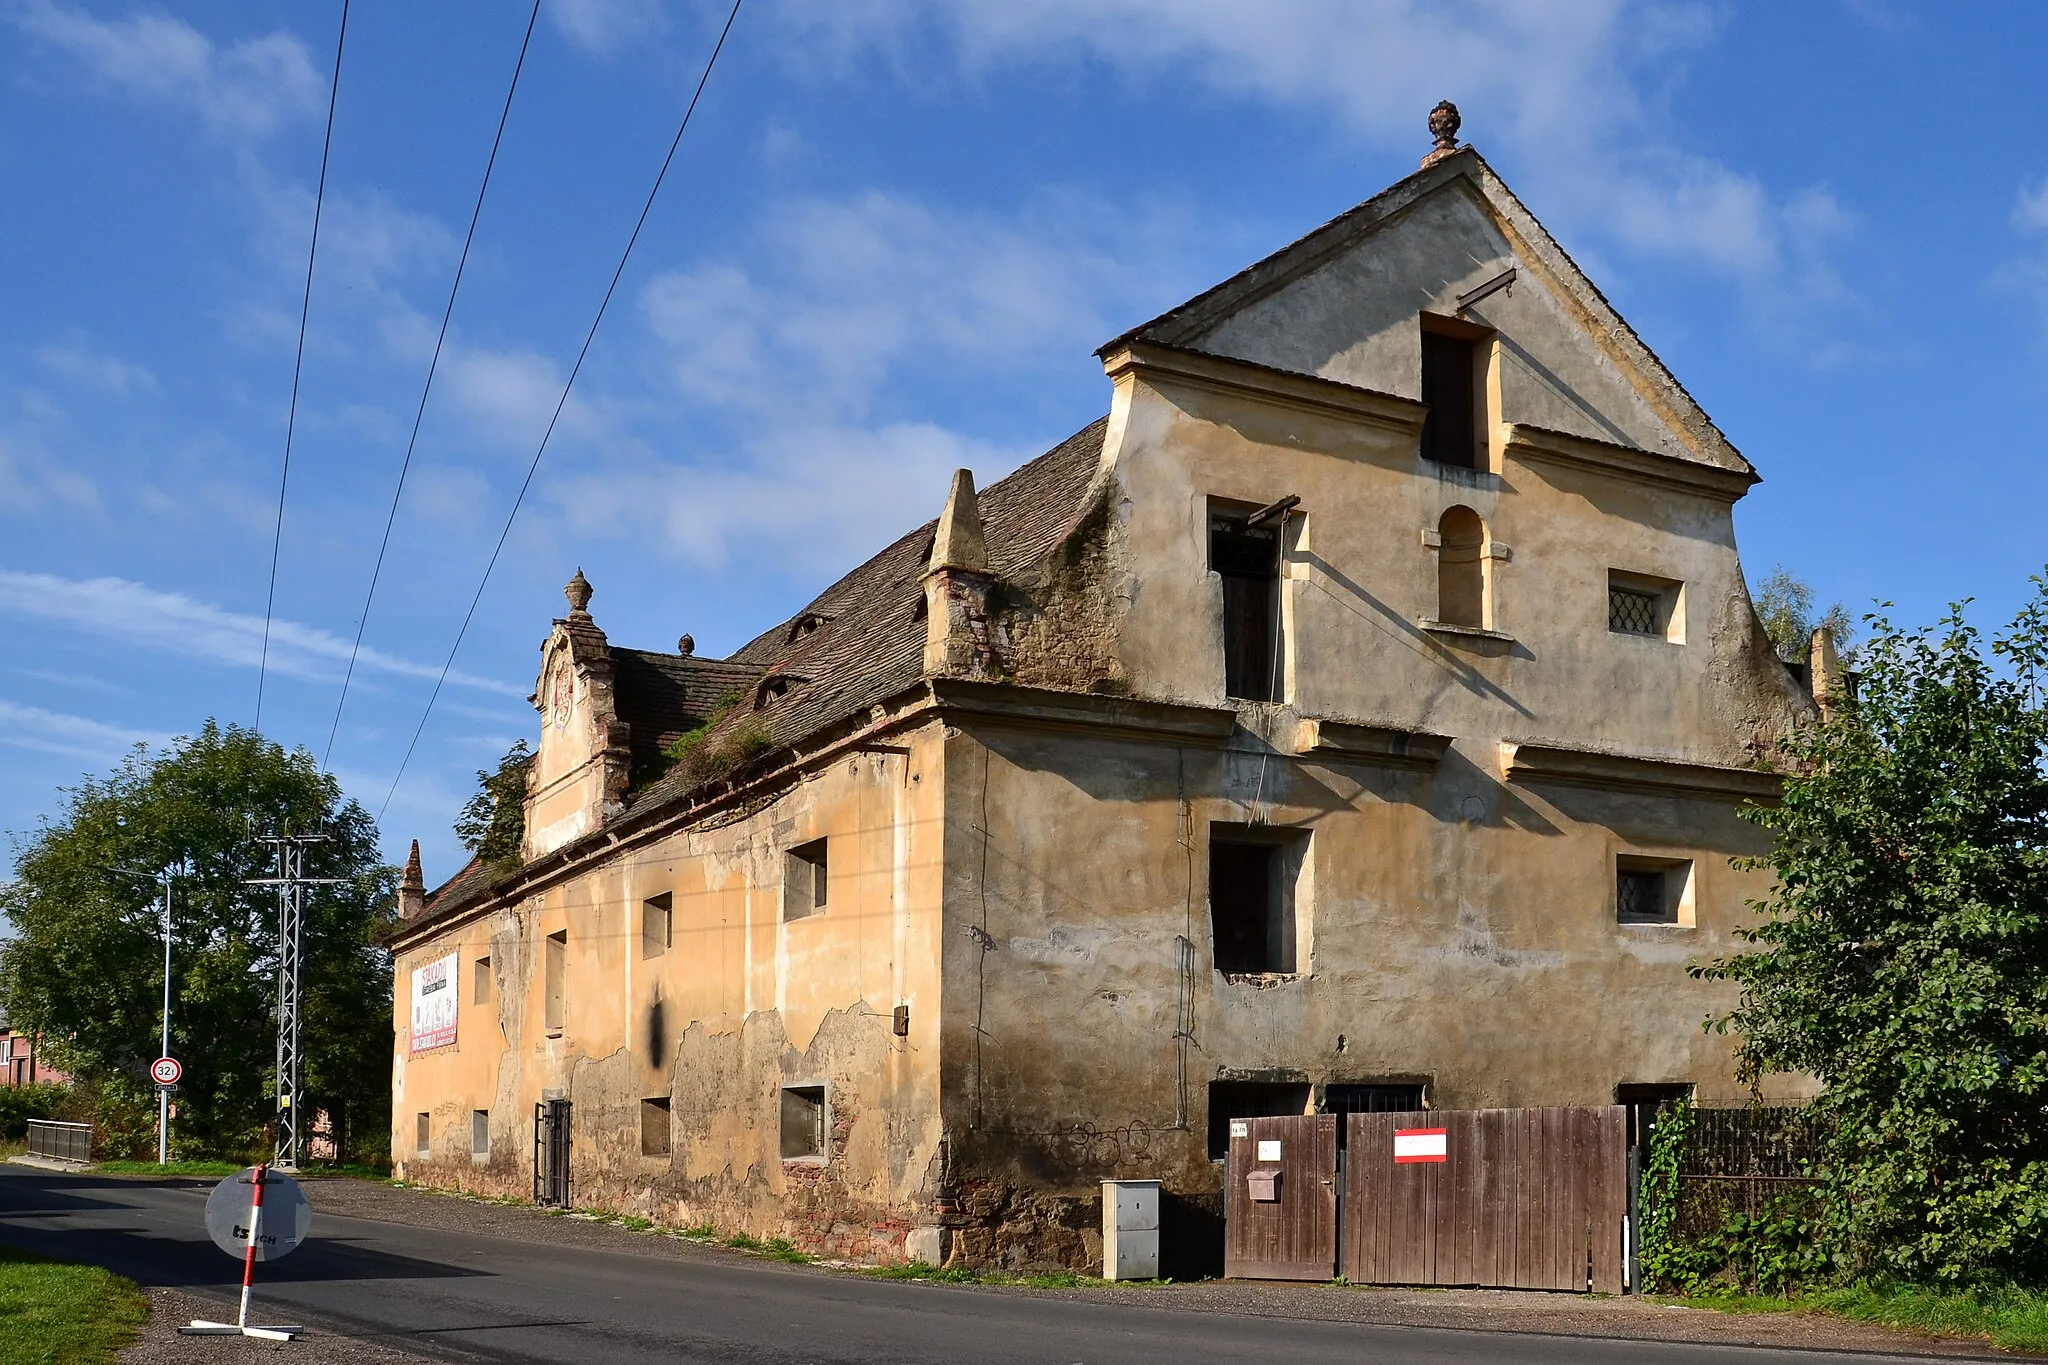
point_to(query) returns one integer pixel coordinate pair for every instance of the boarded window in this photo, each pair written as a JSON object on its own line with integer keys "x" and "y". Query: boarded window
{"x": 1450, "y": 385}
{"x": 1461, "y": 569}
{"x": 421, "y": 1134}
{"x": 804, "y": 880}
{"x": 480, "y": 982}
{"x": 654, "y": 1126}
{"x": 1248, "y": 562}
{"x": 557, "y": 969}
{"x": 803, "y": 1121}
{"x": 1251, "y": 900}
{"x": 1249, "y": 1100}
{"x": 657, "y": 924}
{"x": 1649, "y": 890}
{"x": 480, "y": 1132}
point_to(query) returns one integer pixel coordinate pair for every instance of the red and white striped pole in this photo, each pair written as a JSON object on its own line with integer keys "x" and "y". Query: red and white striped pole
{"x": 249, "y": 1257}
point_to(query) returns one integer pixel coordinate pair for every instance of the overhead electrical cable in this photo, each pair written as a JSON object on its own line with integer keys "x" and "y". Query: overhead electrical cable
{"x": 419, "y": 414}
{"x": 299, "y": 364}
{"x": 562, "y": 402}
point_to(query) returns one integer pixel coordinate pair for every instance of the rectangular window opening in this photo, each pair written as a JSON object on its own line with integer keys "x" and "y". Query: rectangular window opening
{"x": 557, "y": 969}
{"x": 1651, "y": 890}
{"x": 421, "y": 1143}
{"x": 654, "y": 1126}
{"x": 480, "y": 982}
{"x": 803, "y": 1122}
{"x": 1640, "y": 605}
{"x": 480, "y": 1133}
{"x": 1250, "y": 1100}
{"x": 804, "y": 880}
{"x": 1453, "y": 360}
{"x": 1248, "y": 562}
{"x": 1372, "y": 1097}
{"x": 1251, "y": 898}
{"x": 657, "y": 924}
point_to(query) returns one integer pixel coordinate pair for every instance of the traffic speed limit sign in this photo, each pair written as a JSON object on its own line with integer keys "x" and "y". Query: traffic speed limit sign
{"x": 165, "y": 1071}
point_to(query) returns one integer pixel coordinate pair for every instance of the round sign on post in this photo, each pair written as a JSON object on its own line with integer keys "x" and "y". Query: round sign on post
{"x": 165, "y": 1071}
{"x": 286, "y": 1215}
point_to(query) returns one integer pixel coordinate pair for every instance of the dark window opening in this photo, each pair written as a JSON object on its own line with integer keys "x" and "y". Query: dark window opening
{"x": 1250, "y": 909}
{"x": 657, "y": 924}
{"x": 557, "y": 968}
{"x": 480, "y": 982}
{"x": 1450, "y": 370}
{"x": 1633, "y": 612}
{"x": 480, "y": 1132}
{"x": 1647, "y": 892}
{"x": 1248, "y": 562}
{"x": 1642, "y": 1102}
{"x": 804, "y": 880}
{"x": 803, "y": 1121}
{"x": 1249, "y": 1100}
{"x": 654, "y": 1127}
{"x": 1461, "y": 568}
{"x": 421, "y": 1135}
{"x": 1373, "y": 1098}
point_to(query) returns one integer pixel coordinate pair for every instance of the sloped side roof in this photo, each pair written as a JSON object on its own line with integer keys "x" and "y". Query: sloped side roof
{"x": 1183, "y": 324}
{"x": 869, "y": 640}
{"x": 662, "y": 697}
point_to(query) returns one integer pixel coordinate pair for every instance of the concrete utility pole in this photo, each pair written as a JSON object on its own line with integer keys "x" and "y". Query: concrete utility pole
{"x": 288, "y": 852}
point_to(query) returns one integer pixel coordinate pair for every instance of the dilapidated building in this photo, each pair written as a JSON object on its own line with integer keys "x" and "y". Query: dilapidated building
{"x": 1357, "y": 716}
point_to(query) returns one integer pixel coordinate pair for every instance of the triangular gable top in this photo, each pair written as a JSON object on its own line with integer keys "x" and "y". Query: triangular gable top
{"x": 1537, "y": 258}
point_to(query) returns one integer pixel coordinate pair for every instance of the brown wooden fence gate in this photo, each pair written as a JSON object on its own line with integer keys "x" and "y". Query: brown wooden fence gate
{"x": 1511, "y": 1198}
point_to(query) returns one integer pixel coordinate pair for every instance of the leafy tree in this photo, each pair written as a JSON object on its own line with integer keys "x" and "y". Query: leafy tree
{"x": 1784, "y": 604}
{"x": 85, "y": 967}
{"x": 1900, "y": 958}
{"x": 493, "y": 823}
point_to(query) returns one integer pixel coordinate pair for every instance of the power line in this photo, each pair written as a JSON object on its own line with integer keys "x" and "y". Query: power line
{"x": 562, "y": 402}
{"x": 299, "y": 363}
{"x": 363, "y": 622}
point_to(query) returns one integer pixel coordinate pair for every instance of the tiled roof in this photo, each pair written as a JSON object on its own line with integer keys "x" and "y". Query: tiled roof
{"x": 662, "y": 697}
{"x": 867, "y": 642}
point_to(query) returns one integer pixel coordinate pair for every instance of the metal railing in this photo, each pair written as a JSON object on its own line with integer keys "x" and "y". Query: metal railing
{"x": 60, "y": 1141}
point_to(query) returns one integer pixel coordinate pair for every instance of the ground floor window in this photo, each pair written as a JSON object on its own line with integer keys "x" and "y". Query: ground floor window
{"x": 1249, "y": 1100}
{"x": 654, "y": 1127}
{"x": 422, "y": 1134}
{"x": 803, "y": 1121}
{"x": 480, "y": 1132}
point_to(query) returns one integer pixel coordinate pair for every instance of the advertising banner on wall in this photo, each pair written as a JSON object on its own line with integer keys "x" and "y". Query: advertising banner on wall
{"x": 433, "y": 1004}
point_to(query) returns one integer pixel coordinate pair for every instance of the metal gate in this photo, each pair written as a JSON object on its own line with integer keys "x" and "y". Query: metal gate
{"x": 551, "y": 1153}
{"x": 1507, "y": 1198}
{"x": 1280, "y": 1214}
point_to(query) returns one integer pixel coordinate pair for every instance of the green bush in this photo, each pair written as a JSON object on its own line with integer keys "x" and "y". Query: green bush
{"x": 20, "y": 1103}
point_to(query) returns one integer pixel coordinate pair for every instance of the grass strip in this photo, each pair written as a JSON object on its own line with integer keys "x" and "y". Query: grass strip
{"x": 2011, "y": 1319}
{"x": 170, "y": 1168}
{"x": 56, "y": 1313}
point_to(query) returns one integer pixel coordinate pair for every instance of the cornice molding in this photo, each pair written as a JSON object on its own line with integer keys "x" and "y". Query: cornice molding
{"x": 1555, "y": 764}
{"x": 1118, "y": 717}
{"x": 1540, "y": 445}
{"x": 1157, "y": 363}
{"x": 1376, "y": 744}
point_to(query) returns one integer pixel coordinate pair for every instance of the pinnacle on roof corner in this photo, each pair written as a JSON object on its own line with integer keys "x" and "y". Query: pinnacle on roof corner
{"x": 958, "y": 543}
{"x": 1444, "y": 122}
{"x": 415, "y": 879}
{"x": 578, "y": 591}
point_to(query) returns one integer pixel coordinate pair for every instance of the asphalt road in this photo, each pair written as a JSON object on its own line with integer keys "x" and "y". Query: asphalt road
{"x": 463, "y": 1296}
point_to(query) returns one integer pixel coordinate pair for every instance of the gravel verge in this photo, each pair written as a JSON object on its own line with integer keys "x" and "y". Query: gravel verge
{"x": 170, "y": 1309}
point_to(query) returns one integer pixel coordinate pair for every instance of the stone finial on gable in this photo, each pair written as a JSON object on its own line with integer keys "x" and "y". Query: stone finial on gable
{"x": 1444, "y": 122}
{"x": 412, "y": 887}
{"x": 578, "y": 591}
{"x": 958, "y": 639}
{"x": 958, "y": 544}
{"x": 1824, "y": 670}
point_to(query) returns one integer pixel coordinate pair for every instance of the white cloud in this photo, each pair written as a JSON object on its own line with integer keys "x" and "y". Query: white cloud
{"x": 109, "y": 374}
{"x": 72, "y": 680}
{"x": 247, "y": 87}
{"x": 31, "y": 485}
{"x": 602, "y": 27}
{"x": 52, "y": 732}
{"x": 173, "y": 623}
{"x": 2030, "y": 211}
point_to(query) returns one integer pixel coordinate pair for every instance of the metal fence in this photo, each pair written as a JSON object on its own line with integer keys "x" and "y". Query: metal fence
{"x": 60, "y": 1141}
{"x": 1754, "y": 1161}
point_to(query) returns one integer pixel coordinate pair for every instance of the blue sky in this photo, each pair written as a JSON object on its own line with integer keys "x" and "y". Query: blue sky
{"x": 889, "y": 244}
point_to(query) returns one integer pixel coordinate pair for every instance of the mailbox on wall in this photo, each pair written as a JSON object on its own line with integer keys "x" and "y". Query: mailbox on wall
{"x": 1263, "y": 1186}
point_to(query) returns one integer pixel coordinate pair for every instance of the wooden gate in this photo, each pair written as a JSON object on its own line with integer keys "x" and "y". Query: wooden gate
{"x": 1511, "y": 1198}
{"x": 551, "y": 1151}
{"x": 1280, "y": 1200}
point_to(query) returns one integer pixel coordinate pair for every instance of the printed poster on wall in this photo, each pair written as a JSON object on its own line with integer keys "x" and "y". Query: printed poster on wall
{"x": 433, "y": 1004}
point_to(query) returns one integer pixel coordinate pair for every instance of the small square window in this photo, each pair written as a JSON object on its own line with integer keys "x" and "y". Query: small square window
{"x": 1652, "y": 891}
{"x": 480, "y": 982}
{"x": 804, "y": 880}
{"x": 1640, "y": 605}
{"x": 803, "y": 1122}
{"x": 654, "y": 1126}
{"x": 421, "y": 1143}
{"x": 1631, "y": 612}
{"x": 657, "y": 924}
{"x": 480, "y": 1133}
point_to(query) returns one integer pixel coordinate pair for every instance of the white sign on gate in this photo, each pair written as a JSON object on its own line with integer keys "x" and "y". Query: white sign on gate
{"x": 434, "y": 1004}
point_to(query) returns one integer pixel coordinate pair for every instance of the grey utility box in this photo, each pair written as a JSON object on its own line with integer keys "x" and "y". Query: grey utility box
{"x": 1130, "y": 1229}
